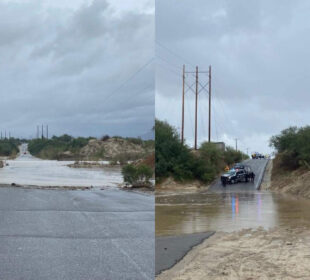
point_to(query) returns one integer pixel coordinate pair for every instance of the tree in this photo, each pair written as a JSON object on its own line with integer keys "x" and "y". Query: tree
{"x": 171, "y": 156}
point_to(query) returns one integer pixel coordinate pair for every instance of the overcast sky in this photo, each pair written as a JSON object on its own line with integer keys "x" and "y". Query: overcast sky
{"x": 82, "y": 66}
{"x": 260, "y": 57}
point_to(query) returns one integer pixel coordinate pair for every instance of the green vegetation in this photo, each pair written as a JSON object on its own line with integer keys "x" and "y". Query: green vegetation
{"x": 293, "y": 147}
{"x": 9, "y": 147}
{"x": 61, "y": 147}
{"x": 137, "y": 176}
{"x": 232, "y": 156}
{"x": 147, "y": 144}
{"x": 68, "y": 147}
{"x": 177, "y": 160}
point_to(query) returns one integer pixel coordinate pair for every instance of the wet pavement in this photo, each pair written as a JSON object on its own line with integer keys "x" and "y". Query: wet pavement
{"x": 258, "y": 166}
{"x": 65, "y": 235}
{"x": 171, "y": 249}
{"x": 232, "y": 208}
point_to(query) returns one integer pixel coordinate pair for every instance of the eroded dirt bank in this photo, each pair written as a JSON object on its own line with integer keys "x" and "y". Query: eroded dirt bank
{"x": 247, "y": 254}
{"x": 295, "y": 182}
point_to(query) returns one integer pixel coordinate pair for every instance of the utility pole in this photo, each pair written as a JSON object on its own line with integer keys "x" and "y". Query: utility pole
{"x": 198, "y": 88}
{"x": 196, "y": 107}
{"x": 236, "y": 139}
{"x": 5, "y": 134}
{"x": 38, "y": 132}
{"x": 47, "y": 131}
{"x": 42, "y": 132}
{"x": 209, "y": 135}
{"x": 183, "y": 93}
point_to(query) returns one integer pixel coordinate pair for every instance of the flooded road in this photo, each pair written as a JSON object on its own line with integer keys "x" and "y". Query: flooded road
{"x": 236, "y": 207}
{"x": 229, "y": 211}
{"x": 28, "y": 170}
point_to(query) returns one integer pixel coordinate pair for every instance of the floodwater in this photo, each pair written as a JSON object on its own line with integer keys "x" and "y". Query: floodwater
{"x": 28, "y": 170}
{"x": 228, "y": 211}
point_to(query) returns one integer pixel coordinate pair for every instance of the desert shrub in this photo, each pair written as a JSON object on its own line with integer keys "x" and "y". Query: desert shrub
{"x": 137, "y": 176}
{"x": 293, "y": 147}
{"x": 232, "y": 156}
{"x": 149, "y": 144}
{"x": 8, "y": 147}
{"x": 136, "y": 141}
{"x": 117, "y": 137}
{"x": 105, "y": 137}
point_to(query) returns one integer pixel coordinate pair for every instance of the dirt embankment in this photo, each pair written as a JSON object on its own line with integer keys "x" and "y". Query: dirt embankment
{"x": 295, "y": 182}
{"x": 247, "y": 255}
{"x": 114, "y": 148}
{"x": 266, "y": 181}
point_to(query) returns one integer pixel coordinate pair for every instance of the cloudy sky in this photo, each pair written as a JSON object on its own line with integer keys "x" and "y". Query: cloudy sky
{"x": 260, "y": 57}
{"x": 84, "y": 67}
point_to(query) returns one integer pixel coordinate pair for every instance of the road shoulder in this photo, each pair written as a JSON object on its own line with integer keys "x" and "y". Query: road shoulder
{"x": 169, "y": 250}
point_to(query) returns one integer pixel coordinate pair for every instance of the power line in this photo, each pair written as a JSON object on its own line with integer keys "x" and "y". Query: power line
{"x": 169, "y": 63}
{"x": 174, "y": 53}
{"x": 129, "y": 79}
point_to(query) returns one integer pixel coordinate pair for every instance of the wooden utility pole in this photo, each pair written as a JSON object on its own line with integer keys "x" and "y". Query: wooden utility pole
{"x": 42, "y": 132}
{"x": 196, "y": 107}
{"x": 209, "y": 128}
{"x": 199, "y": 87}
{"x": 236, "y": 144}
{"x": 183, "y": 93}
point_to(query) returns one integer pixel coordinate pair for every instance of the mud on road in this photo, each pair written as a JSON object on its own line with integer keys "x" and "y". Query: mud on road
{"x": 247, "y": 254}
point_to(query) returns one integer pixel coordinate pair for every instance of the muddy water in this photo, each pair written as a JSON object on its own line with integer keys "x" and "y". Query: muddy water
{"x": 28, "y": 170}
{"x": 228, "y": 211}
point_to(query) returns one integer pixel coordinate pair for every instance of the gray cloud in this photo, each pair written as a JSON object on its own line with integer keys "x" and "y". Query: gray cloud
{"x": 61, "y": 63}
{"x": 259, "y": 52}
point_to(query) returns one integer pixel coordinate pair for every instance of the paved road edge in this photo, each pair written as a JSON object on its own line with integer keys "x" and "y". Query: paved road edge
{"x": 260, "y": 180}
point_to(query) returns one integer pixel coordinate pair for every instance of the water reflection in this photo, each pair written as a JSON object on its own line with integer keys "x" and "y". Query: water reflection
{"x": 228, "y": 211}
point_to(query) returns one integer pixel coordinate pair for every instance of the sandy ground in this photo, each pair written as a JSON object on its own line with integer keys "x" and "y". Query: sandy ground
{"x": 247, "y": 255}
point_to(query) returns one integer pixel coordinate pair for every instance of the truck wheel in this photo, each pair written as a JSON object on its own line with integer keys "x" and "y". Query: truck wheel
{"x": 233, "y": 181}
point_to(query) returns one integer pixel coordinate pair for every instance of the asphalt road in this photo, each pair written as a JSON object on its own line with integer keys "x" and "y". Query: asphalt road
{"x": 171, "y": 249}
{"x": 258, "y": 167}
{"x": 80, "y": 235}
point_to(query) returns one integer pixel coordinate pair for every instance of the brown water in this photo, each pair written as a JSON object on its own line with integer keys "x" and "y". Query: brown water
{"x": 192, "y": 213}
